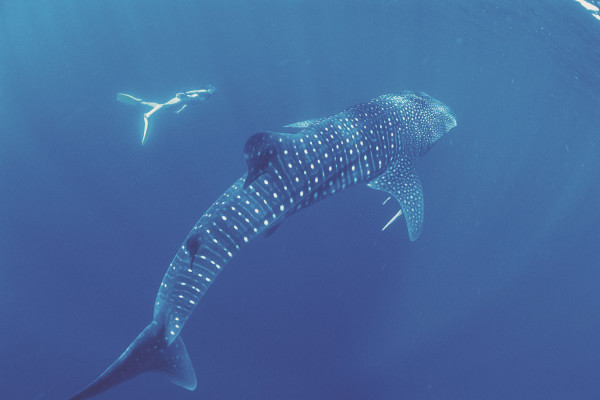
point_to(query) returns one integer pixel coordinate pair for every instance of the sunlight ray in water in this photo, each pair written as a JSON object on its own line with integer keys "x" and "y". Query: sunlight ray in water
{"x": 498, "y": 297}
{"x": 588, "y": 6}
{"x": 591, "y": 7}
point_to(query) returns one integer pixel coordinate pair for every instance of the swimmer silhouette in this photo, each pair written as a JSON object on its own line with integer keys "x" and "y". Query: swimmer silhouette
{"x": 180, "y": 102}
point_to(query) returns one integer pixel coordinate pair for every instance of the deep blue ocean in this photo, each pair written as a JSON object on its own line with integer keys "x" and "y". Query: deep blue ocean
{"x": 498, "y": 299}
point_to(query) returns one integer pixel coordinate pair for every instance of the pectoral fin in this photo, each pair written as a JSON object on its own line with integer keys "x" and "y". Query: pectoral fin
{"x": 402, "y": 183}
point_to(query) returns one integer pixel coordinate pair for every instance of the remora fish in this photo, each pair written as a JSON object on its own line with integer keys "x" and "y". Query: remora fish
{"x": 375, "y": 142}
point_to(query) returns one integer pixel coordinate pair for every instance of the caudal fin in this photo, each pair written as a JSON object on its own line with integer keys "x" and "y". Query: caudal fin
{"x": 148, "y": 352}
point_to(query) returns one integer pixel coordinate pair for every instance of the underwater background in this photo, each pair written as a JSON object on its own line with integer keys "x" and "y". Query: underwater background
{"x": 498, "y": 298}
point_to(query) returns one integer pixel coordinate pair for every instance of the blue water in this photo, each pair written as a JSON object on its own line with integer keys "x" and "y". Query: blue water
{"x": 498, "y": 298}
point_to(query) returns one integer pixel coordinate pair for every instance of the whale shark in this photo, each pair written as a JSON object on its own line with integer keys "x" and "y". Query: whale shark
{"x": 375, "y": 143}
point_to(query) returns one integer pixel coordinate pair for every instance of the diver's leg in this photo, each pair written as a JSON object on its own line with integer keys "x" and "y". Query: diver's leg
{"x": 149, "y": 104}
{"x": 147, "y": 119}
{"x": 154, "y": 109}
{"x": 129, "y": 99}
{"x": 145, "y": 128}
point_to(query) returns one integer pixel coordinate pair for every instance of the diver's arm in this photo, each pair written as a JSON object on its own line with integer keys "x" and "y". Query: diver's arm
{"x": 200, "y": 94}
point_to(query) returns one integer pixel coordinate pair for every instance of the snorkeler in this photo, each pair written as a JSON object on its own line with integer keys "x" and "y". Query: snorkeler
{"x": 180, "y": 101}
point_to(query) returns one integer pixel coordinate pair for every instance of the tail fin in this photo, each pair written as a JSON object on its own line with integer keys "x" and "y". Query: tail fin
{"x": 148, "y": 352}
{"x": 126, "y": 98}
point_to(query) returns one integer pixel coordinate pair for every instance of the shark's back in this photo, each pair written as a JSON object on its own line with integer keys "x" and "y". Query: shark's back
{"x": 373, "y": 143}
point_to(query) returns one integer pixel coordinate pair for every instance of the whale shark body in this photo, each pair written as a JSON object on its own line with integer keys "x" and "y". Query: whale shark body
{"x": 374, "y": 143}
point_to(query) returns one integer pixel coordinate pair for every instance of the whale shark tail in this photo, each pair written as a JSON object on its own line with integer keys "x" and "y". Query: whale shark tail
{"x": 150, "y": 351}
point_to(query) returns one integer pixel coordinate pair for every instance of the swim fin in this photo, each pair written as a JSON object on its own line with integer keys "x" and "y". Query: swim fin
{"x": 125, "y": 98}
{"x": 145, "y": 128}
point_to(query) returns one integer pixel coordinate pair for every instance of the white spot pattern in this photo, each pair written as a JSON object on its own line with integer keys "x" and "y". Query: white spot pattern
{"x": 372, "y": 142}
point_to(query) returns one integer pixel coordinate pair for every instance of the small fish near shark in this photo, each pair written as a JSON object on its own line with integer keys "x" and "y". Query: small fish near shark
{"x": 374, "y": 143}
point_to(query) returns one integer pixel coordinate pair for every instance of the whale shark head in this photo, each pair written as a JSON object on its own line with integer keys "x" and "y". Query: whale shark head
{"x": 429, "y": 120}
{"x": 442, "y": 119}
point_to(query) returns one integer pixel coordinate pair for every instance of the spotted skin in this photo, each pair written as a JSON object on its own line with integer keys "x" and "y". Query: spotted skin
{"x": 374, "y": 143}
{"x": 402, "y": 182}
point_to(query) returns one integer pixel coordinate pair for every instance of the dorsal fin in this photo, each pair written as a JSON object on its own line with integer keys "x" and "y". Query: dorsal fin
{"x": 261, "y": 152}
